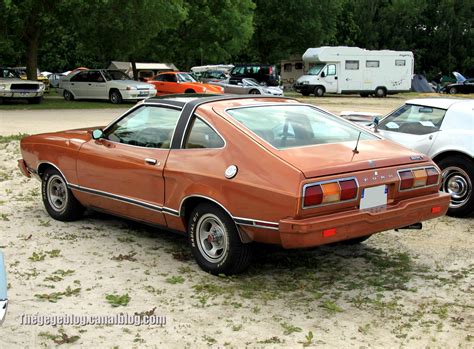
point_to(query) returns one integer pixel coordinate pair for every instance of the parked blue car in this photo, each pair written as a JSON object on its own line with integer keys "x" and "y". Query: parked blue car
{"x": 3, "y": 289}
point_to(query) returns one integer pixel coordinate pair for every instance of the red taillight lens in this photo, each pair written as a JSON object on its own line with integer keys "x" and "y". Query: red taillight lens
{"x": 406, "y": 179}
{"x": 348, "y": 189}
{"x": 433, "y": 176}
{"x": 313, "y": 196}
{"x": 271, "y": 70}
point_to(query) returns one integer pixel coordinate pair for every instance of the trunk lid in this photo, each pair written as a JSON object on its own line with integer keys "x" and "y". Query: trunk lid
{"x": 338, "y": 158}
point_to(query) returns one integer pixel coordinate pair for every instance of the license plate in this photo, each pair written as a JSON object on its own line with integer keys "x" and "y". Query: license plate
{"x": 373, "y": 197}
{"x": 143, "y": 93}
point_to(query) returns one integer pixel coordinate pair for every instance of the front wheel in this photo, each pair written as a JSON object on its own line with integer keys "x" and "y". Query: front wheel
{"x": 318, "y": 91}
{"x": 68, "y": 96}
{"x": 380, "y": 92}
{"x": 58, "y": 198}
{"x": 457, "y": 178}
{"x": 254, "y": 92}
{"x": 215, "y": 241}
{"x": 115, "y": 97}
{"x": 453, "y": 91}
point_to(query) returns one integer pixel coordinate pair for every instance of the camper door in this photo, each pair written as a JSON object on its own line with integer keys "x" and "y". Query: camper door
{"x": 329, "y": 77}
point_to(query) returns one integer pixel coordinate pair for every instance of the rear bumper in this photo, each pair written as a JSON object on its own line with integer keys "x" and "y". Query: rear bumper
{"x": 309, "y": 232}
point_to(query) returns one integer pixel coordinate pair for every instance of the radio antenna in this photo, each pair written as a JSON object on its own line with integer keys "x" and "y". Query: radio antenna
{"x": 355, "y": 151}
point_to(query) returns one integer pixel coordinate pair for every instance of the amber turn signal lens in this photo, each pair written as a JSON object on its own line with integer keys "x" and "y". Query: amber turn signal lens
{"x": 420, "y": 178}
{"x": 331, "y": 192}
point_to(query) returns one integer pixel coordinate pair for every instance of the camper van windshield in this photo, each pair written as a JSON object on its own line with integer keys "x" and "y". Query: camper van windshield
{"x": 316, "y": 69}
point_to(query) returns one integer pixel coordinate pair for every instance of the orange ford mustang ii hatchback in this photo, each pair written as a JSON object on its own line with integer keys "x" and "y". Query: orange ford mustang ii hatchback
{"x": 228, "y": 171}
{"x": 178, "y": 82}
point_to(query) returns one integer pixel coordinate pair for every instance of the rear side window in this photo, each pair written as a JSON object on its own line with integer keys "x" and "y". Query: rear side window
{"x": 372, "y": 64}
{"x": 81, "y": 76}
{"x": 414, "y": 119}
{"x": 400, "y": 62}
{"x": 352, "y": 65}
{"x": 296, "y": 126}
{"x": 201, "y": 135}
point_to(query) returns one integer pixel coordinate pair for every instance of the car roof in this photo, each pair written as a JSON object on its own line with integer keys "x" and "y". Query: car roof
{"x": 442, "y": 103}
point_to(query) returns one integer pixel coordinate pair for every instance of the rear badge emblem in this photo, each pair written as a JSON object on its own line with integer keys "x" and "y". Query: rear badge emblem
{"x": 416, "y": 157}
{"x": 230, "y": 172}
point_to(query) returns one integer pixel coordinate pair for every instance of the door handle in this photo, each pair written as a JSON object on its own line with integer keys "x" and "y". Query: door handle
{"x": 150, "y": 161}
{"x": 335, "y": 78}
{"x": 90, "y": 84}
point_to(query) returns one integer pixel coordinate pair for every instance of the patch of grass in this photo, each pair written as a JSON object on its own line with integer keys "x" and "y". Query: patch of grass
{"x": 55, "y": 296}
{"x": 60, "y": 338}
{"x": 272, "y": 340}
{"x": 63, "y": 273}
{"x": 209, "y": 340}
{"x": 53, "y": 102}
{"x": 118, "y": 300}
{"x": 289, "y": 328}
{"x": 8, "y": 139}
{"x": 175, "y": 279}
{"x": 4, "y": 217}
{"x": 125, "y": 257}
{"x": 331, "y": 307}
{"x": 37, "y": 257}
{"x": 53, "y": 253}
{"x": 308, "y": 339}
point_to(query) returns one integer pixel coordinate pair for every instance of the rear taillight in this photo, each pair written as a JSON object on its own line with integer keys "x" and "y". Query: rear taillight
{"x": 418, "y": 178}
{"x": 271, "y": 70}
{"x": 330, "y": 192}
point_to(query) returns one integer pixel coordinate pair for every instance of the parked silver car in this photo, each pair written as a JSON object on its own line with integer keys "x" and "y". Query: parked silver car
{"x": 113, "y": 85}
{"x": 3, "y": 290}
{"x": 443, "y": 129}
{"x": 247, "y": 86}
{"x": 13, "y": 87}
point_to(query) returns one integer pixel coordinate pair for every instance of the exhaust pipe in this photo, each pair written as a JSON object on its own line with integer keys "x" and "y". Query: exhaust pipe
{"x": 417, "y": 226}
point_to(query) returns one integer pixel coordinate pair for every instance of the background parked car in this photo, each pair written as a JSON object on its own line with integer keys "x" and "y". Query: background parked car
{"x": 12, "y": 86}
{"x": 247, "y": 86}
{"x": 263, "y": 73}
{"x": 3, "y": 290}
{"x": 462, "y": 85}
{"x": 180, "y": 82}
{"x": 54, "y": 79}
{"x": 214, "y": 75}
{"x": 113, "y": 85}
{"x": 443, "y": 129}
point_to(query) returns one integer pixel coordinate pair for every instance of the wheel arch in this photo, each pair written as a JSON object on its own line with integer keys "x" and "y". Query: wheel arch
{"x": 189, "y": 203}
{"x": 44, "y": 165}
{"x": 449, "y": 153}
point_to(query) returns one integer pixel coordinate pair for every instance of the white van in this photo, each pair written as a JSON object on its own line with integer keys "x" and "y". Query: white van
{"x": 347, "y": 70}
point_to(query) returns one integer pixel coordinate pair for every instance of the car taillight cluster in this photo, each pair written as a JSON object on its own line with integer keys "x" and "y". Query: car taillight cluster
{"x": 418, "y": 177}
{"x": 330, "y": 192}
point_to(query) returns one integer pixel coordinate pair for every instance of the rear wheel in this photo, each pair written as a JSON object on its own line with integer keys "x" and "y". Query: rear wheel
{"x": 58, "y": 198}
{"x": 189, "y": 91}
{"x": 457, "y": 178}
{"x": 215, "y": 241}
{"x": 453, "y": 91}
{"x": 380, "y": 92}
{"x": 319, "y": 91}
{"x": 68, "y": 96}
{"x": 254, "y": 92}
{"x": 115, "y": 97}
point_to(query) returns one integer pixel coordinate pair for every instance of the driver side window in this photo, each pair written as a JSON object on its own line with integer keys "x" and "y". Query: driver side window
{"x": 147, "y": 126}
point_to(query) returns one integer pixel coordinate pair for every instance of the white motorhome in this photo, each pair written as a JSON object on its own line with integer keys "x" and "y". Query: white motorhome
{"x": 346, "y": 70}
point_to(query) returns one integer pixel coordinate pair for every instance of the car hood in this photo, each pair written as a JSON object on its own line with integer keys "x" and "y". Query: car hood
{"x": 337, "y": 158}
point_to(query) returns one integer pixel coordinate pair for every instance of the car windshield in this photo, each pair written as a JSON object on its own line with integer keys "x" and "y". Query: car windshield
{"x": 316, "y": 69}
{"x": 115, "y": 75}
{"x": 414, "y": 119}
{"x": 185, "y": 77}
{"x": 9, "y": 73}
{"x": 297, "y": 125}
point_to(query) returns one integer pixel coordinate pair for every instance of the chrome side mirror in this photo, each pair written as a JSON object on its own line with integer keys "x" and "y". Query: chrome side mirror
{"x": 3, "y": 290}
{"x": 97, "y": 134}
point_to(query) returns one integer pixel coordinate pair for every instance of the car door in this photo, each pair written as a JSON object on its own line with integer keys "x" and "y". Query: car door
{"x": 79, "y": 84}
{"x": 96, "y": 85}
{"x": 122, "y": 172}
{"x": 166, "y": 84}
{"x": 330, "y": 78}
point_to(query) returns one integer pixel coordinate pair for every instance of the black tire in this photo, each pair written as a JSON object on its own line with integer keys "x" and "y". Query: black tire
{"x": 319, "y": 91}
{"x": 35, "y": 100}
{"x": 306, "y": 94}
{"x": 62, "y": 205}
{"x": 189, "y": 91}
{"x": 115, "y": 97}
{"x": 380, "y": 92}
{"x": 254, "y": 92}
{"x": 458, "y": 179}
{"x": 354, "y": 241}
{"x": 68, "y": 96}
{"x": 453, "y": 91}
{"x": 222, "y": 252}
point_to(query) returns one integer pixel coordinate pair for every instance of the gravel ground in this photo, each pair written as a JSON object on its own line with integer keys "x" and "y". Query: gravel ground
{"x": 398, "y": 289}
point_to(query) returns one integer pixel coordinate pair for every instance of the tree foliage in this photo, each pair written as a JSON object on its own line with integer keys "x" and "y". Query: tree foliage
{"x": 59, "y": 35}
